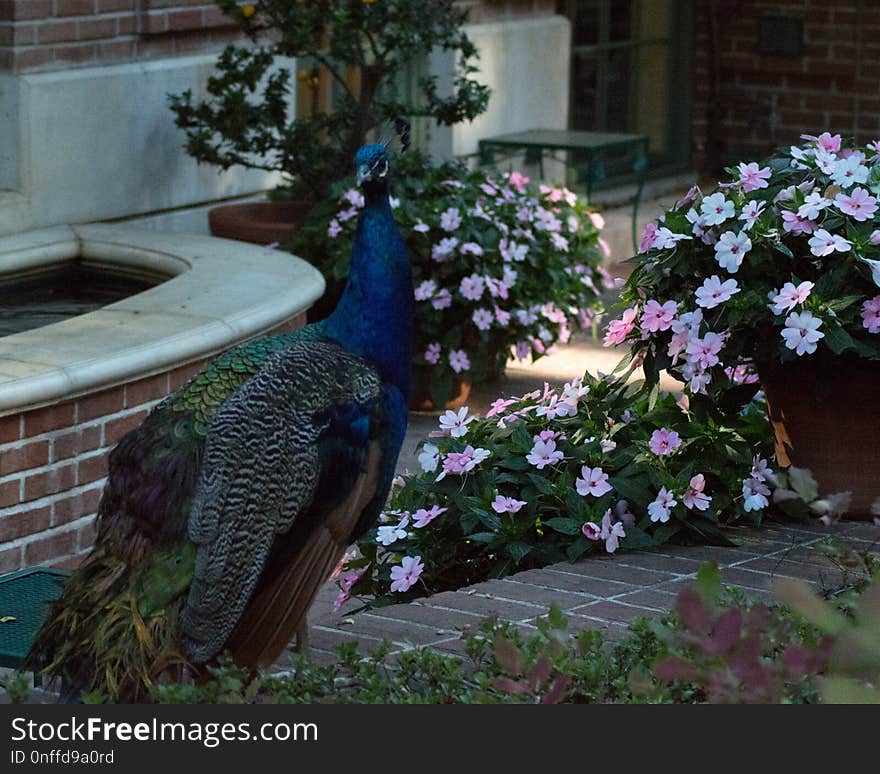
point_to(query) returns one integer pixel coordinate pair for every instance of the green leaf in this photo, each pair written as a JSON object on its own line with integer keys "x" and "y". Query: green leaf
{"x": 577, "y": 548}
{"x": 708, "y": 584}
{"x": 837, "y": 339}
{"x": 541, "y": 484}
{"x": 565, "y": 526}
{"x": 518, "y": 550}
{"x": 483, "y": 537}
{"x": 802, "y": 481}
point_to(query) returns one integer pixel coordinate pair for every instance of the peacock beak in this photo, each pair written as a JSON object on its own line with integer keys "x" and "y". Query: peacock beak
{"x": 363, "y": 174}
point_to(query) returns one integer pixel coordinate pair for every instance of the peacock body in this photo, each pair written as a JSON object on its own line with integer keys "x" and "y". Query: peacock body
{"x": 226, "y": 510}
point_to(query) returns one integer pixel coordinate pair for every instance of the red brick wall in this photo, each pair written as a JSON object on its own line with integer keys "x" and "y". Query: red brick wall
{"x": 51, "y": 34}
{"x": 760, "y": 101}
{"x": 53, "y": 464}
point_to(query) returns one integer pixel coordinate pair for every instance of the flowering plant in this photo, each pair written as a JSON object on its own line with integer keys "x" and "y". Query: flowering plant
{"x": 780, "y": 261}
{"x": 499, "y": 264}
{"x": 597, "y": 465}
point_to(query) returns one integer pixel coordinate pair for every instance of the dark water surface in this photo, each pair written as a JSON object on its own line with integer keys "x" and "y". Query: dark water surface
{"x": 60, "y": 292}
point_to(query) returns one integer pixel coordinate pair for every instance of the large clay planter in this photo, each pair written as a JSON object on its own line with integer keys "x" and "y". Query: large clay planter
{"x": 261, "y": 223}
{"x": 421, "y": 394}
{"x": 826, "y": 417}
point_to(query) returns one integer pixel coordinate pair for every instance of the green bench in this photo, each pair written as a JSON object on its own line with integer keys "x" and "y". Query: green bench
{"x": 24, "y": 600}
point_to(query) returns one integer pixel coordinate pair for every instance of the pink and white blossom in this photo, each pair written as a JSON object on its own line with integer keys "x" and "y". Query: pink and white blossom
{"x": 450, "y": 220}
{"x": 730, "y": 249}
{"x": 592, "y": 481}
{"x": 659, "y": 509}
{"x": 752, "y": 178}
{"x": 471, "y": 248}
{"x": 751, "y": 211}
{"x": 715, "y": 209}
{"x": 404, "y": 577}
{"x": 714, "y": 292}
{"x": 663, "y": 442}
{"x": 658, "y": 317}
{"x": 429, "y": 457}
{"x": 801, "y": 332}
{"x": 456, "y": 422}
{"x": 432, "y": 353}
{"x": 442, "y": 300}
{"x": 425, "y": 290}
{"x": 795, "y": 224}
{"x": 459, "y": 361}
{"x": 849, "y": 171}
{"x": 618, "y": 330}
{"x": 459, "y": 463}
{"x": 789, "y": 296}
{"x": 422, "y": 228}
{"x": 502, "y": 317}
{"x": 472, "y": 287}
{"x": 859, "y": 205}
{"x": 482, "y": 318}
{"x": 444, "y": 249}
{"x": 422, "y": 517}
{"x": 755, "y": 493}
{"x": 502, "y": 504}
{"x": 871, "y": 314}
{"x": 391, "y": 533}
{"x": 704, "y": 351}
{"x": 813, "y": 205}
{"x": 610, "y": 532}
{"x": 334, "y": 229}
{"x": 544, "y": 453}
{"x": 694, "y": 496}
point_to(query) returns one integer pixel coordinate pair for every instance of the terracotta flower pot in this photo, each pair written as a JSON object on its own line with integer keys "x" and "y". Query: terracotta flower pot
{"x": 261, "y": 223}
{"x": 826, "y": 418}
{"x": 421, "y": 395}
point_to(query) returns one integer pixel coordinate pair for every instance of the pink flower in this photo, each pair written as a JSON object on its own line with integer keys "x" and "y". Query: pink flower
{"x": 502, "y": 504}
{"x": 518, "y": 180}
{"x": 334, "y": 229}
{"x": 523, "y": 350}
{"x": 460, "y": 463}
{"x": 405, "y": 576}
{"x": 753, "y": 178}
{"x": 498, "y": 406}
{"x": 544, "y": 453}
{"x": 859, "y": 204}
{"x": 795, "y": 224}
{"x": 760, "y": 469}
{"x": 730, "y": 250}
{"x": 432, "y": 353}
{"x": 422, "y": 228}
{"x": 871, "y": 314}
{"x": 422, "y": 517}
{"x": 714, "y": 292}
{"x": 704, "y": 352}
{"x": 828, "y": 143}
{"x": 813, "y": 205}
{"x": 497, "y": 288}
{"x": 592, "y": 481}
{"x": 610, "y": 533}
{"x": 482, "y": 319}
{"x": 790, "y": 296}
{"x": 348, "y": 214}
{"x": 444, "y": 249}
{"x": 502, "y": 317}
{"x": 591, "y": 531}
{"x": 354, "y": 197}
{"x": 663, "y": 442}
{"x": 694, "y": 497}
{"x": 557, "y": 408}
{"x": 442, "y": 300}
{"x": 455, "y": 423}
{"x": 801, "y": 332}
{"x": 471, "y": 247}
{"x": 346, "y": 582}
{"x": 472, "y": 287}
{"x": 459, "y": 360}
{"x": 659, "y": 509}
{"x": 649, "y": 238}
{"x": 657, "y": 318}
{"x": 450, "y": 219}
{"x": 425, "y": 290}
{"x": 618, "y": 330}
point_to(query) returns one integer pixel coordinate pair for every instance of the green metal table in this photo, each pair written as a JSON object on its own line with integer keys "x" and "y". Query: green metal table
{"x": 25, "y": 597}
{"x": 589, "y": 151}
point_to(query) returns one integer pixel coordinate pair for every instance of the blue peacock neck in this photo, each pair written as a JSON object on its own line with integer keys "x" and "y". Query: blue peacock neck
{"x": 374, "y": 316}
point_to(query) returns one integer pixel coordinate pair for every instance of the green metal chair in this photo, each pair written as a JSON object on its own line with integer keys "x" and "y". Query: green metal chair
{"x": 25, "y": 597}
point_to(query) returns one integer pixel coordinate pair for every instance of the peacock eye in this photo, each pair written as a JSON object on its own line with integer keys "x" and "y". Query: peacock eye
{"x": 382, "y": 168}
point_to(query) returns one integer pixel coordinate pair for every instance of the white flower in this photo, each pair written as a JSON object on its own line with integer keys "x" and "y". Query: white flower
{"x": 812, "y": 206}
{"x": 755, "y": 492}
{"x": 456, "y": 422}
{"x": 544, "y": 453}
{"x": 393, "y": 532}
{"x": 801, "y": 332}
{"x": 716, "y": 209}
{"x": 824, "y": 243}
{"x": 429, "y": 457}
{"x": 451, "y": 219}
{"x": 731, "y": 248}
{"x": 790, "y": 296}
{"x": 750, "y": 213}
{"x": 714, "y": 292}
{"x": 659, "y": 509}
{"x": 849, "y": 171}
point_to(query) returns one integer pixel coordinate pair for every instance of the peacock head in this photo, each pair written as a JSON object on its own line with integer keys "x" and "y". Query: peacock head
{"x": 371, "y": 165}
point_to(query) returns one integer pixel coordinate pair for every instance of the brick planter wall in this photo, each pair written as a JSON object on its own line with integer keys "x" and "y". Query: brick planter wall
{"x": 53, "y": 465}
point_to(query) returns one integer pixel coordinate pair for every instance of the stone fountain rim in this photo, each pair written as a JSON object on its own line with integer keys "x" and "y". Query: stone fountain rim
{"x": 221, "y": 292}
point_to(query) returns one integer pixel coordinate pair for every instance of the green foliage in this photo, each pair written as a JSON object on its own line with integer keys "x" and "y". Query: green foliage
{"x": 535, "y": 252}
{"x": 612, "y": 431}
{"x": 247, "y": 118}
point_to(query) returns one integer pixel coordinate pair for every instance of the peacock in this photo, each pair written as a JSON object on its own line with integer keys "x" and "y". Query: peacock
{"x": 229, "y": 507}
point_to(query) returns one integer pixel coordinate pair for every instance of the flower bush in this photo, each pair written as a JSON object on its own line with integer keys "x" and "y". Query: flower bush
{"x": 779, "y": 262}
{"x": 499, "y": 265}
{"x": 597, "y": 465}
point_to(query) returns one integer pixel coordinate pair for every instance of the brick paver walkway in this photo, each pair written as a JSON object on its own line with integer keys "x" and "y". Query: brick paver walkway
{"x": 604, "y": 593}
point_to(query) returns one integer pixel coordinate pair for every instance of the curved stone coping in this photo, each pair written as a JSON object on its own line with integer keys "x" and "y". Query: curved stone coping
{"x": 220, "y": 293}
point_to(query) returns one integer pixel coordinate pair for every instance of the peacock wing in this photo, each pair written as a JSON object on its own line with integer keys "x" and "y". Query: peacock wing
{"x": 261, "y": 472}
